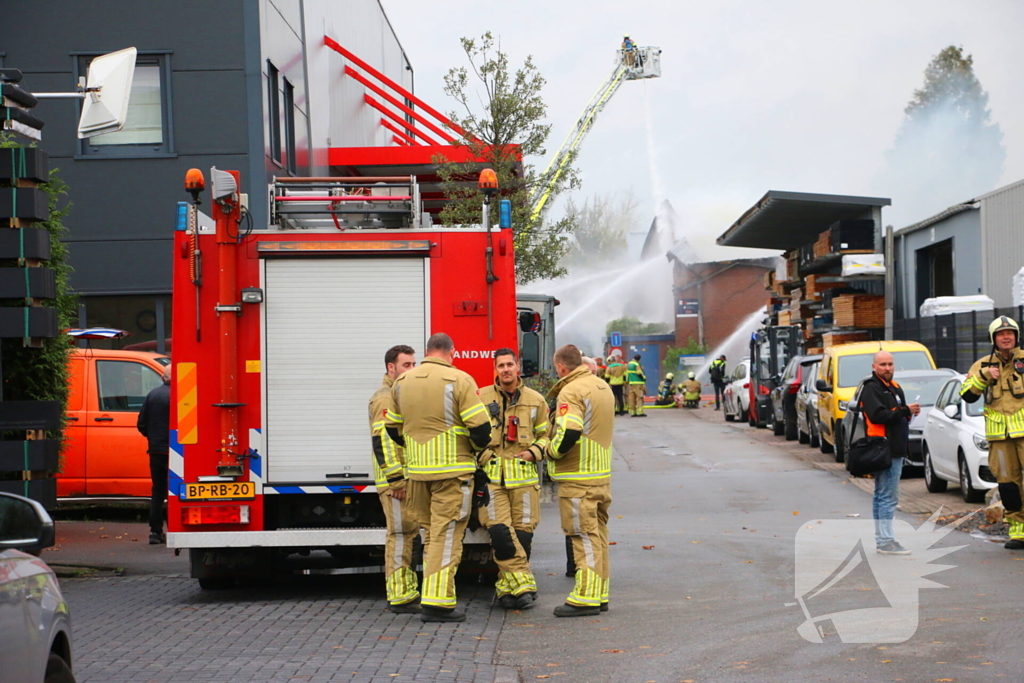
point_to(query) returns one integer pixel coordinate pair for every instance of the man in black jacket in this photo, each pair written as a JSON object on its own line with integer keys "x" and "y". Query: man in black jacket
{"x": 154, "y": 424}
{"x": 886, "y": 413}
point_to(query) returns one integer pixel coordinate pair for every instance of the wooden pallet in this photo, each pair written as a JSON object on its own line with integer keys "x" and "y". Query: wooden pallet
{"x": 864, "y": 311}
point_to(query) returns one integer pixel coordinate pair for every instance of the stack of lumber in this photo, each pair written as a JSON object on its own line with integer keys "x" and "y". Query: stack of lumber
{"x": 859, "y": 310}
{"x": 836, "y": 338}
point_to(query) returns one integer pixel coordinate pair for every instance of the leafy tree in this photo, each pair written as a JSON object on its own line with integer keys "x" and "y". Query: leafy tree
{"x": 948, "y": 148}
{"x": 630, "y": 325}
{"x": 672, "y": 353}
{"x": 31, "y": 374}
{"x": 503, "y": 126}
{"x": 602, "y": 224}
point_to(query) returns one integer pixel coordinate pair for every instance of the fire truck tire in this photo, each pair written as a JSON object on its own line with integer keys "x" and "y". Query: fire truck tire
{"x": 216, "y": 583}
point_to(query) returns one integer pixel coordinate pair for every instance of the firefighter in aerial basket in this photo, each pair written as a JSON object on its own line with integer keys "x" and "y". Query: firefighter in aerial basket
{"x": 580, "y": 455}
{"x": 389, "y": 472}
{"x": 519, "y": 426}
{"x": 998, "y": 378}
{"x": 438, "y": 418}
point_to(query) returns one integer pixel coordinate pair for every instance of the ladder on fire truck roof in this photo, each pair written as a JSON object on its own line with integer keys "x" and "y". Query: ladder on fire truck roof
{"x": 631, "y": 64}
{"x": 342, "y": 203}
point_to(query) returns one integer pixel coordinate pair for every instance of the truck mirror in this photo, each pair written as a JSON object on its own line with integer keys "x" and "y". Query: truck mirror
{"x": 822, "y": 386}
{"x": 529, "y": 321}
{"x": 529, "y": 354}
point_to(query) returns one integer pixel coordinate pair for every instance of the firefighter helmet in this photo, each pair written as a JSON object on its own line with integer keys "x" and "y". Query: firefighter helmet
{"x": 669, "y": 376}
{"x": 1002, "y": 323}
{"x": 692, "y": 376}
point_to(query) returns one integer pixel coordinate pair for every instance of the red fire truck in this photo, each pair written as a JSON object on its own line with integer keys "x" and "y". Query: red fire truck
{"x": 279, "y": 338}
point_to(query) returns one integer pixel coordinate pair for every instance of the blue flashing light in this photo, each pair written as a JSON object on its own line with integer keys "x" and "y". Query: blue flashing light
{"x": 182, "y": 221}
{"x": 505, "y": 214}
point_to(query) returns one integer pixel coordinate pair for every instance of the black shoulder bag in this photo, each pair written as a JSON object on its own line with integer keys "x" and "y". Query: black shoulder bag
{"x": 868, "y": 454}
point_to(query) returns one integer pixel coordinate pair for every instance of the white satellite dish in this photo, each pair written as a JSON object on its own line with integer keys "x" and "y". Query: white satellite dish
{"x": 107, "y": 89}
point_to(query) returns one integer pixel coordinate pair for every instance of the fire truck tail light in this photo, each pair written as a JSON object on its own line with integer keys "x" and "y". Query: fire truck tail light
{"x": 215, "y": 514}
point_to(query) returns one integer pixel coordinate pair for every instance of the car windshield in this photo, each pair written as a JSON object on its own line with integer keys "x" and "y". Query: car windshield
{"x": 926, "y": 387}
{"x": 852, "y": 369}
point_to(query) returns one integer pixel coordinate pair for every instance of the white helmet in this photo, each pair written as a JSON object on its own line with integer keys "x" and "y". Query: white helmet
{"x": 692, "y": 376}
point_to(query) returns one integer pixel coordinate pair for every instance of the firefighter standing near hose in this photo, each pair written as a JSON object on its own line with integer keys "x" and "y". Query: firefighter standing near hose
{"x": 580, "y": 455}
{"x": 615, "y": 374}
{"x": 389, "y": 472}
{"x": 519, "y": 425}
{"x": 437, "y": 416}
{"x": 999, "y": 378}
{"x": 637, "y": 382}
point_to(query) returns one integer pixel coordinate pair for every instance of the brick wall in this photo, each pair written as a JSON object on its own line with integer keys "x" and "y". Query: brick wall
{"x": 727, "y": 295}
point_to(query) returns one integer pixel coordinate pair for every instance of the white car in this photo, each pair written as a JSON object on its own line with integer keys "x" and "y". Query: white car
{"x": 955, "y": 449}
{"x": 35, "y": 645}
{"x": 736, "y": 395}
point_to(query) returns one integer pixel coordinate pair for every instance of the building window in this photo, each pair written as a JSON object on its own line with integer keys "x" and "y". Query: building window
{"x": 146, "y": 318}
{"x": 289, "y": 126}
{"x": 935, "y": 271}
{"x": 147, "y": 128}
{"x": 274, "y": 111}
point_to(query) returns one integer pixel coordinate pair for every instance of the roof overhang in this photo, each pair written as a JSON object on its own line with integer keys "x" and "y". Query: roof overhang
{"x": 787, "y": 220}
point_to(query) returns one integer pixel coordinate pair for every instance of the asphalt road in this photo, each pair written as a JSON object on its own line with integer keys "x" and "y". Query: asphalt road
{"x": 711, "y": 600}
{"x": 721, "y": 504}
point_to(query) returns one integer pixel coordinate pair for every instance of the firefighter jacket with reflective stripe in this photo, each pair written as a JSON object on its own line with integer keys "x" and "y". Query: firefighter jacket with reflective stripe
{"x": 584, "y": 404}
{"x": 616, "y": 373}
{"x": 388, "y": 457}
{"x": 691, "y": 388}
{"x": 434, "y": 406}
{"x": 1004, "y": 399}
{"x": 717, "y": 371}
{"x": 529, "y": 434}
{"x": 636, "y": 373}
{"x": 885, "y": 412}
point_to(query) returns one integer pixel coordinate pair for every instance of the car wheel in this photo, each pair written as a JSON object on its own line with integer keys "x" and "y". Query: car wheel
{"x": 57, "y": 670}
{"x": 802, "y": 436}
{"x": 813, "y": 435}
{"x": 825, "y": 446}
{"x": 931, "y": 480}
{"x": 778, "y": 428}
{"x": 792, "y": 431}
{"x": 729, "y": 417}
{"x": 840, "y": 444}
{"x": 970, "y": 494}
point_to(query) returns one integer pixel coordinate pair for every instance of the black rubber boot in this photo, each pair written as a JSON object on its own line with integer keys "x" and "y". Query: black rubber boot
{"x": 1014, "y": 544}
{"x": 604, "y": 606}
{"x": 406, "y": 608}
{"x": 568, "y": 610}
{"x": 429, "y": 614}
{"x": 526, "y": 601}
{"x": 507, "y": 601}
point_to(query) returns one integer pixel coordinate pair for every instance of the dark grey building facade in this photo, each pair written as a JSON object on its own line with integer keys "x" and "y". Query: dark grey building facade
{"x": 243, "y": 85}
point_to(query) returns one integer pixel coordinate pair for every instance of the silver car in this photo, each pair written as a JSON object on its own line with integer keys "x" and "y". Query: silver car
{"x": 35, "y": 646}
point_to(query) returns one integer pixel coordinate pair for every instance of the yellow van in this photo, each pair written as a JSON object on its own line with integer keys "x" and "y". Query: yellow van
{"x": 841, "y": 370}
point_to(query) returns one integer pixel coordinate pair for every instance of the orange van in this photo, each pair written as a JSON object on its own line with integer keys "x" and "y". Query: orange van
{"x": 105, "y": 455}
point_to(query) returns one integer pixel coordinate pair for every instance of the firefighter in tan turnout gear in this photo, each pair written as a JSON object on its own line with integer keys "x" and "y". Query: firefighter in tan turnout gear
{"x": 999, "y": 378}
{"x": 389, "y": 473}
{"x": 438, "y": 417}
{"x": 519, "y": 425}
{"x": 581, "y": 463}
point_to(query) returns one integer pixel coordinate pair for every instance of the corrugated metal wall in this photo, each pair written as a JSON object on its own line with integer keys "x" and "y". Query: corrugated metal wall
{"x": 1002, "y": 233}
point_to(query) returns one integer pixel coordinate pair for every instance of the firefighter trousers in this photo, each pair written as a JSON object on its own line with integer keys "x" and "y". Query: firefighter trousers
{"x": 636, "y": 399}
{"x": 584, "y": 512}
{"x": 442, "y": 507}
{"x": 1006, "y": 460}
{"x": 399, "y": 577}
{"x": 510, "y": 519}
{"x": 620, "y": 404}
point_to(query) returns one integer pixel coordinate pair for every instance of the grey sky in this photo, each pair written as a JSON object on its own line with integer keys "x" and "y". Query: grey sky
{"x": 791, "y": 95}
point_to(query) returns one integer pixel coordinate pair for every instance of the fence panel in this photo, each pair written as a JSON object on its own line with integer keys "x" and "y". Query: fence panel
{"x": 955, "y": 340}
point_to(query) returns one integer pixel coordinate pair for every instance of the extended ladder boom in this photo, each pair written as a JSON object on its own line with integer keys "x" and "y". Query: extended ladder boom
{"x": 630, "y": 65}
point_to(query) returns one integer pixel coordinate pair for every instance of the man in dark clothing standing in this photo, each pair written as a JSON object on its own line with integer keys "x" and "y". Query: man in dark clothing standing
{"x": 717, "y": 372}
{"x": 886, "y": 413}
{"x": 154, "y": 424}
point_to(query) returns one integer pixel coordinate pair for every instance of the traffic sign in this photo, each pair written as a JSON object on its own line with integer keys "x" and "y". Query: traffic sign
{"x": 615, "y": 338}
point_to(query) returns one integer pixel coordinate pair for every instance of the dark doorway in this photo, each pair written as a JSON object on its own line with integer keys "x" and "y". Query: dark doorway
{"x": 935, "y": 271}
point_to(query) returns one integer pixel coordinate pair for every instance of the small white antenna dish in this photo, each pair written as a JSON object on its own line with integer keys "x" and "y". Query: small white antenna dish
{"x": 107, "y": 90}
{"x": 105, "y": 93}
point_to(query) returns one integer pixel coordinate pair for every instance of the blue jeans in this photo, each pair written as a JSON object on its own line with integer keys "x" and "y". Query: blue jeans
{"x": 887, "y": 496}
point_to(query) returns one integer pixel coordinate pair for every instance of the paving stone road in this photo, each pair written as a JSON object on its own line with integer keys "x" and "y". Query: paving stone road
{"x": 164, "y": 629}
